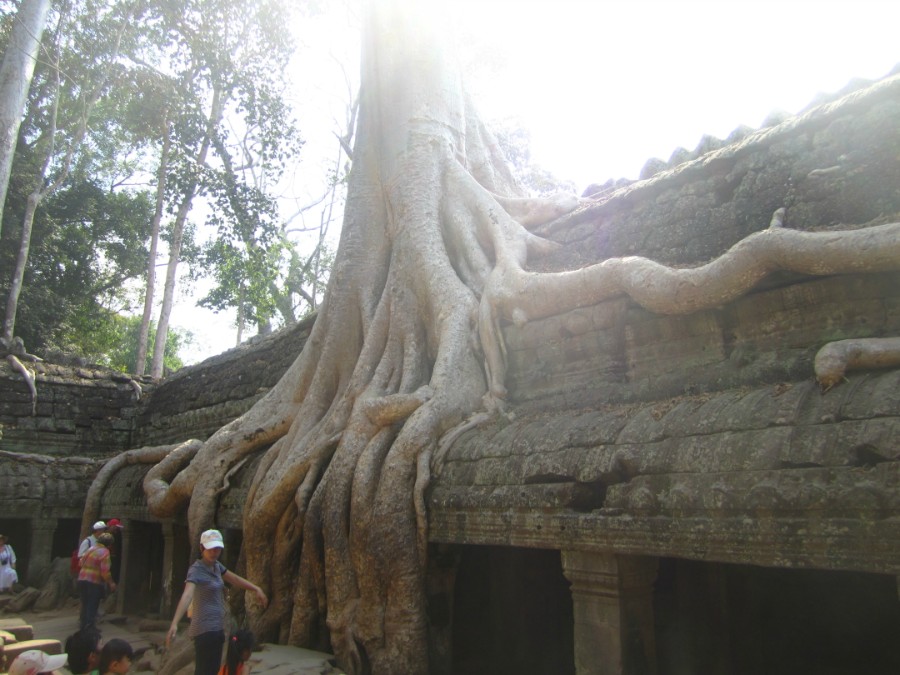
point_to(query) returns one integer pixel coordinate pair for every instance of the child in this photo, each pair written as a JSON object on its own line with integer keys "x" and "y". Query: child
{"x": 83, "y": 648}
{"x": 240, "y": 645}
{"x": 115, "y": 657}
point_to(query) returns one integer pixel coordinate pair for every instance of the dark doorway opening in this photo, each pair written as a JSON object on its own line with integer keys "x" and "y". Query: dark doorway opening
{"x": 66, "y": 537}
{"x": 512, "y": 613}
{"x": 143, "y": 583}
{"x": 18, "y": 536}
{"x": 745, "y": 620}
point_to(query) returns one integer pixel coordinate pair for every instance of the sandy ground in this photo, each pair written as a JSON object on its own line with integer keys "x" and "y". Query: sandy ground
{"x": 148, "y": 637}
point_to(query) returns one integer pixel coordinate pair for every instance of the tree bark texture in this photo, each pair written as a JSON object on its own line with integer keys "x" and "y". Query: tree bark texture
{"x": 407, "y": 346}
{"x": 184, "y": 207}
{"x": 15, "y": 80}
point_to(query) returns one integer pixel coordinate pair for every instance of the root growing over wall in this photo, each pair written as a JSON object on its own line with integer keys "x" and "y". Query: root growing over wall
{"x": 408, "y": 344}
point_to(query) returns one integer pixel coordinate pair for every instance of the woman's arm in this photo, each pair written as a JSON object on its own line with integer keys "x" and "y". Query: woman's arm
{"x": 241, "y": 582}
{"x": 183, "y": 604}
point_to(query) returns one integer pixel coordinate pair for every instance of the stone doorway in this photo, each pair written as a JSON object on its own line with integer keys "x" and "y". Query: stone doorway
{"x": 512, "y": 613}
{"x": 745, "y": 620}
{"x": 141, "y": 582}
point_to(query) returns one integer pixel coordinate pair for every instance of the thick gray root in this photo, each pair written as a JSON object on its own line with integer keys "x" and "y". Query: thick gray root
{"x": 836, "y": 358}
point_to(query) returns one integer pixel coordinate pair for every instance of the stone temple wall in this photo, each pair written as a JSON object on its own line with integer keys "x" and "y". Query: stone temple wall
{"x": 833, "y": 167}
{"x": 636, "y": 441}
{"x": 81, "y": 411}
{"x": 197, "y": 400}
{"x": 705, "y": 436}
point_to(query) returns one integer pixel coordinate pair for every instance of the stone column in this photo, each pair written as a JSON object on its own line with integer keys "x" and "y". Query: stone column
{"x": 41, "y": 556}
{"x": 613, "y": 604}
{"x": 168, "y": 570}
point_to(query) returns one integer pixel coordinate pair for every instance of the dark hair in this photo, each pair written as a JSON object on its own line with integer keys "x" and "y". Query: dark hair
{"x": 79, "y": 647}
{"x": 114, "y": 650}
{"x": 106, "y": 539}
{"x": 240, "y": 641}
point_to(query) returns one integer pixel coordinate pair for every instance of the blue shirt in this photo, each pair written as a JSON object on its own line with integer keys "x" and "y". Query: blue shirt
{"x": 209, "y": 597}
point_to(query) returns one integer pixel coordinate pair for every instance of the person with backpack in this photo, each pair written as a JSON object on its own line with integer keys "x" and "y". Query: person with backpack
{"x": 93, "y": 580}
{"x": 90, "y": 540}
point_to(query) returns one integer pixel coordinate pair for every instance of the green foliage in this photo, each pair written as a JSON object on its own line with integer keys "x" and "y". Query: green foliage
{"x": 119, "y": 349}
{"x": 234, "y": 52}
{"x": 110, "y": 339}
{"x": 152, "y": 70}
{"x": 87, "y": 244}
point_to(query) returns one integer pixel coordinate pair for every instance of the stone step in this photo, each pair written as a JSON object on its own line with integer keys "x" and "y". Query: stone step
{"x": 18, "y": 627}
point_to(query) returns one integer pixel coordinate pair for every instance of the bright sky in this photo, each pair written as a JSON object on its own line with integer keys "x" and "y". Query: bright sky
{"x": 604, "y": 86}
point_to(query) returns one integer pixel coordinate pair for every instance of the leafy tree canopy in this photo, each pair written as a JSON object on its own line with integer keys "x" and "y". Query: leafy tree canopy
{"x": 86, "y": 245}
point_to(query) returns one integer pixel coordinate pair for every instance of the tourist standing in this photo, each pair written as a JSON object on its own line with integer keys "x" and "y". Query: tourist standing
{"x": 91, "y": 540}
{"x": 205, "y": 586}
{"x": 93, "y": 579}
{"x": 8, "y": 574}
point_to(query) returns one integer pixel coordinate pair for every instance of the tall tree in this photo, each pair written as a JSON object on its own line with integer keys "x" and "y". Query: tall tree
{"x": 65, "y": 123}
{"x": 143, "y": 331}
{"x": 408, "y": 344}
{"x": 15, "y": 79}
{"x": 225, "y": 55}
{"x": 246, "y": 257}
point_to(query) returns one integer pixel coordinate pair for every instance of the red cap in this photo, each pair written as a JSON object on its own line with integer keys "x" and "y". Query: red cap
{"x": 114, "y": 522}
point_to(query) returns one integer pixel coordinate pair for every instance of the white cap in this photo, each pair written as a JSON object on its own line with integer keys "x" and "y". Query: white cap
{"x": 212, "y": 539}
{"x": 99, "y": 525}
{"x": 35, "y": 661}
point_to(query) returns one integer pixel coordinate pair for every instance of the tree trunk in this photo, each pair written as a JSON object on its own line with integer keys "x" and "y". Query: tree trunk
{"x": 431, "y": 260}
{"x": 44, "y": 190}
{"x": 15, "y": 80}
{"x": 150, "y": 289}
{"x": 162, "y": 328}
{"x": 18, "y": 278}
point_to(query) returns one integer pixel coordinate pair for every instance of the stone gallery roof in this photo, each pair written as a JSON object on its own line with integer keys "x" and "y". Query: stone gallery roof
{"x": 705, "y": 435}
{"x": 772, "y": 475}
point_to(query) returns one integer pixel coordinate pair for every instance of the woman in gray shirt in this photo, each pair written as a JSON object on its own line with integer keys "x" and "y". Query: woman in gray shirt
{"x": 205, "y": 586}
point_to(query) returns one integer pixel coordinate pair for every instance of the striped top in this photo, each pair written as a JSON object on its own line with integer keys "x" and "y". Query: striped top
{"x": 95, "y": 566}
{"x": 209, "y": 597}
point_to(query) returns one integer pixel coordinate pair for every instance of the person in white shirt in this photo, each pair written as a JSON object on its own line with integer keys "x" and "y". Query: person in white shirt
{"x": 8, "y": 575}
{"x": 91, "y": 540}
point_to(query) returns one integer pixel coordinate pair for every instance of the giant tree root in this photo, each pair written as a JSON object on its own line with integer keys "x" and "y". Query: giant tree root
{"x": 518, "y": 295}
{"x": 145, "y": 455}
{"x": 836, "y": 358}
{"x": 408, "y": 344}
{"x": 29, "y": 378}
